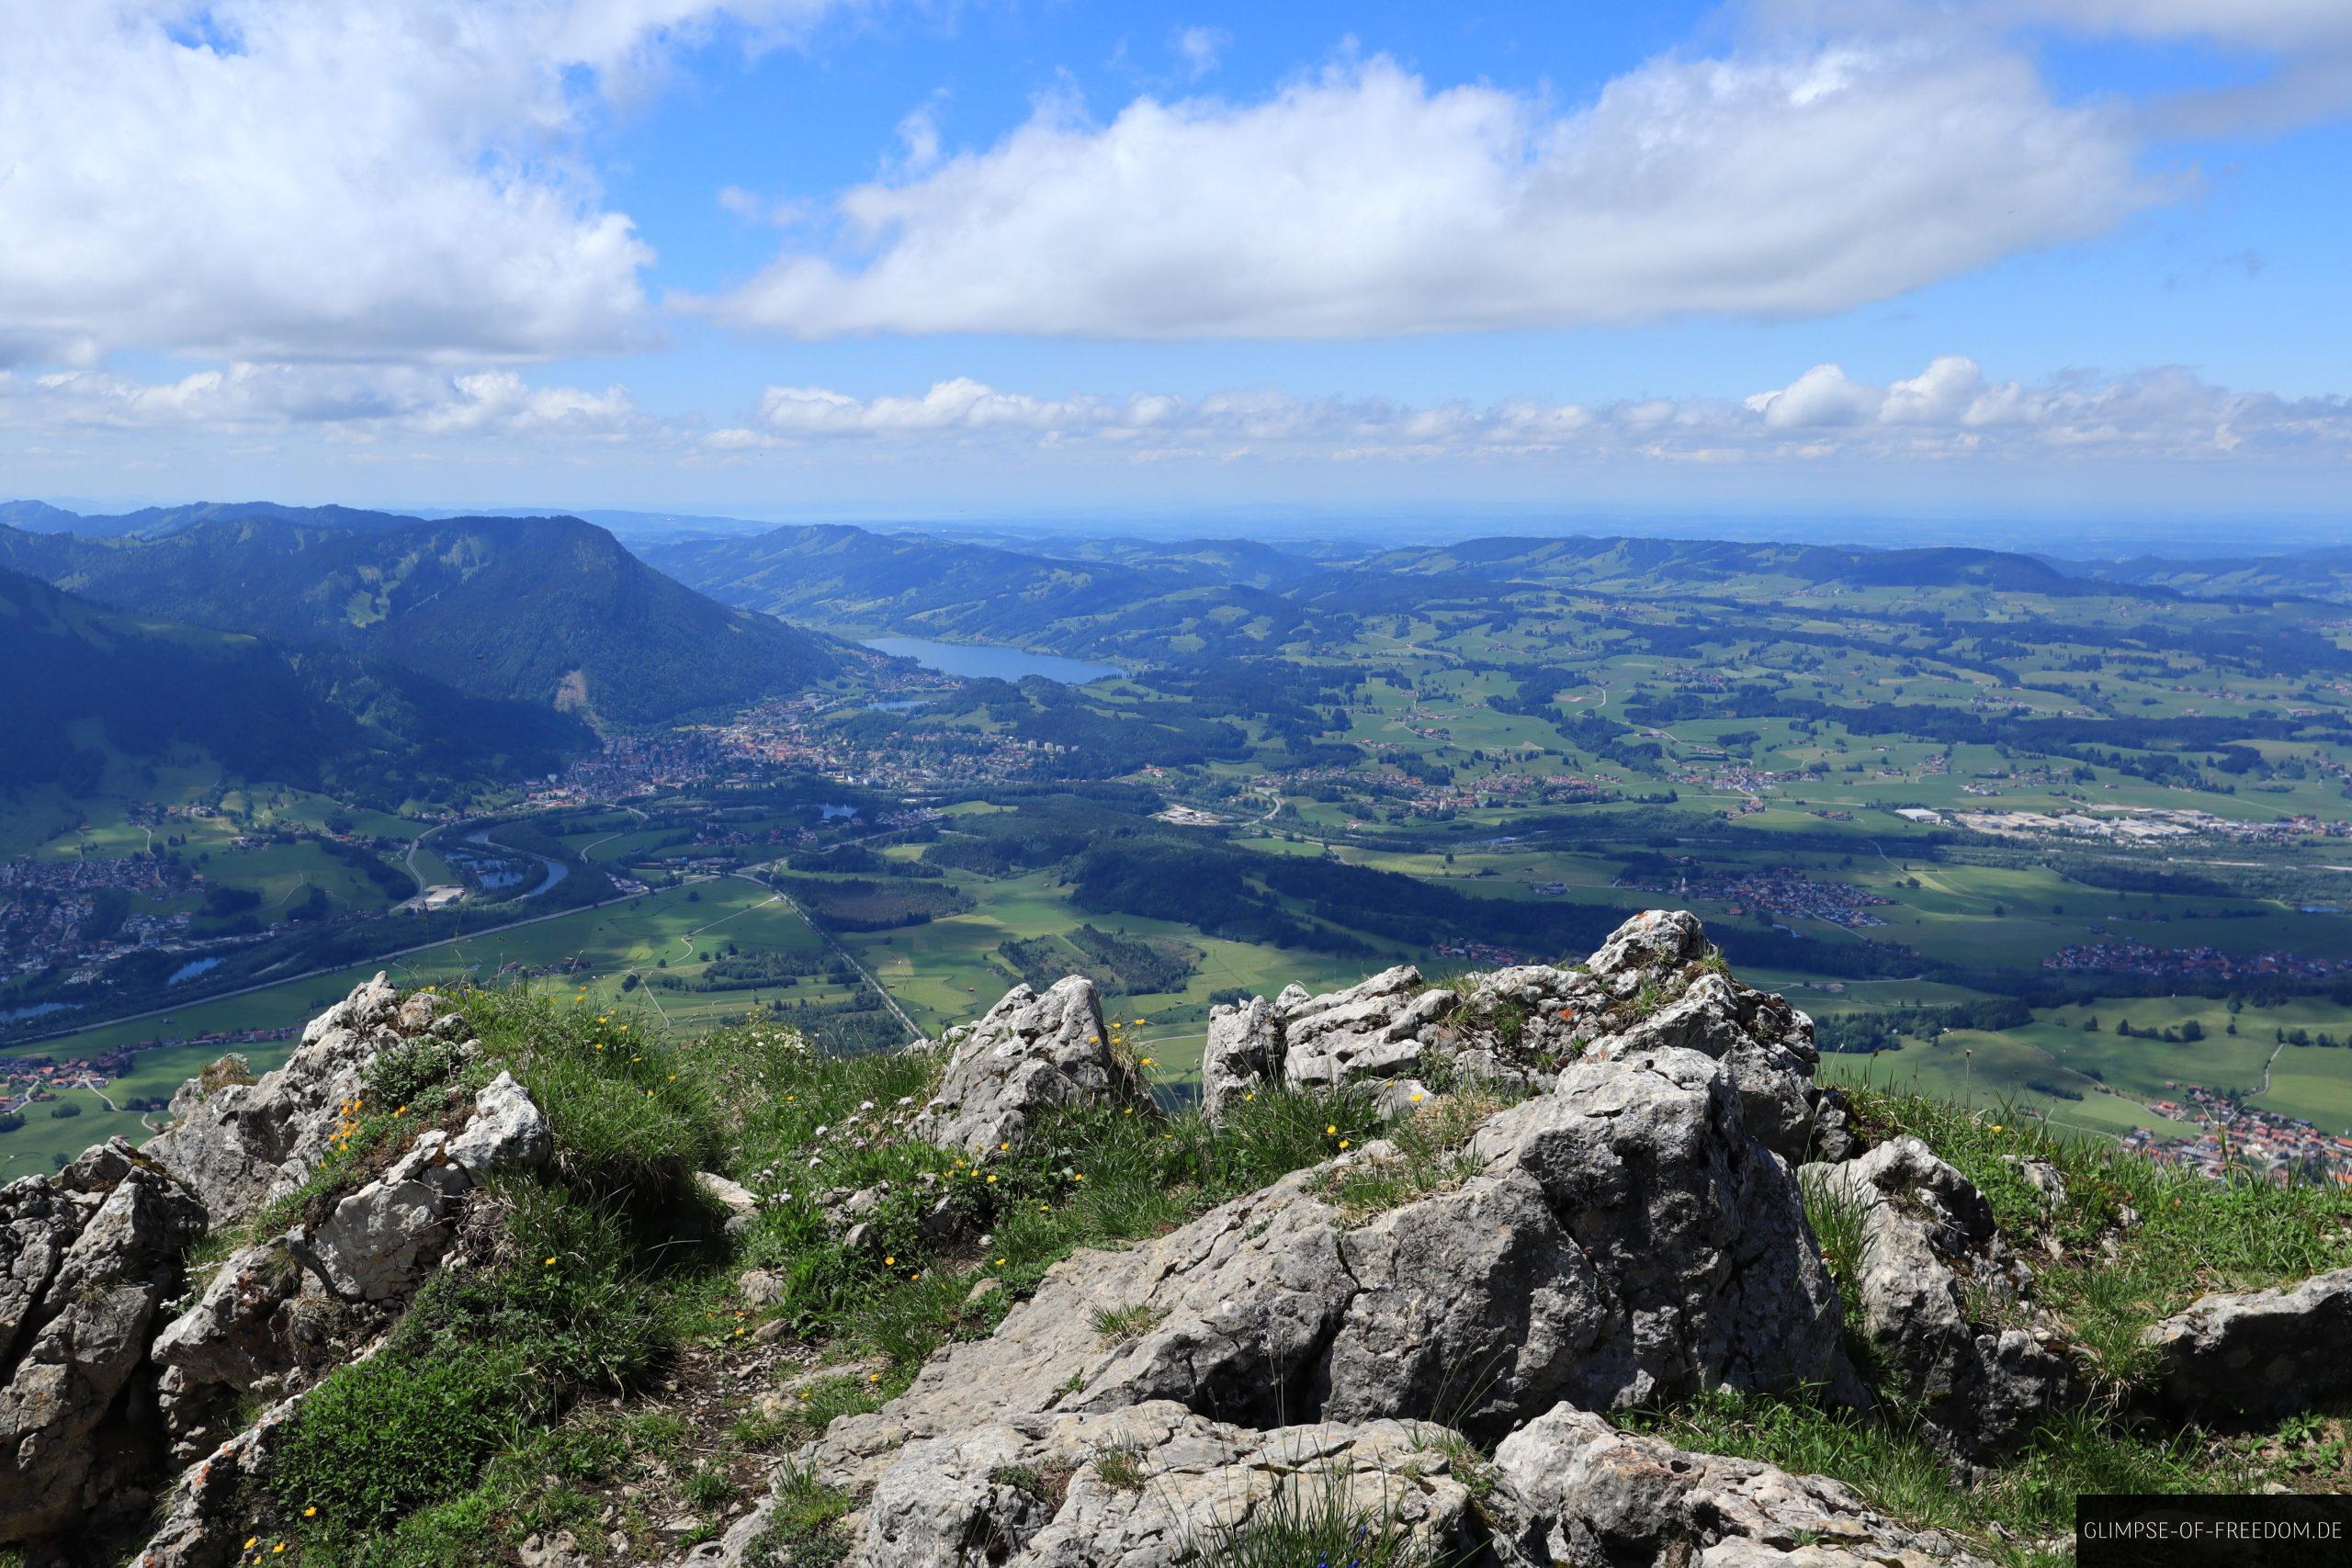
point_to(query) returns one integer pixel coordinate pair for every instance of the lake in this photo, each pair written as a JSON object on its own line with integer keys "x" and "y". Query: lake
{"x": 977, "y": 660}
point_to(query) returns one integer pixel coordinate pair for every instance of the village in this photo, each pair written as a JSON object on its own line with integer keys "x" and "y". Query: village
{"x": 2235, "y": 1138}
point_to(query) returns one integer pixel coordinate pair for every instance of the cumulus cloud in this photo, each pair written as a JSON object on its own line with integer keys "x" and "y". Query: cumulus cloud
{"x": 329, "y": 179}
{"x": 1361, "y": 201}
{"x": 355, "y": 401}
{"x": 1950, "y": 411}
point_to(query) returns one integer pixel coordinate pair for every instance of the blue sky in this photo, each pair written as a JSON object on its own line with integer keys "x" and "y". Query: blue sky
{"x": 1958, "y": 262}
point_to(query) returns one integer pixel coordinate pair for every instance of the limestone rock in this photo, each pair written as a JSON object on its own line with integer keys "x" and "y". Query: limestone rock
{"x": 1034, "y": 1490}
{"x": 1576, "y": 1492}
{"x": 240, "y": 1333}
{"x": 1933, "y": 1270}
{"x": 241, "y": 1144}
{"x": 1244, "y": 1050}
{"x": 2261, "y": 1352}
{"x": 732, "y": 1196}
{"x": 506, "y": 1132}
{"x": 1032, "y": 1053}
{"x": 65, "y": 1420}
{"x": 202, "y": 1520}
{"x": 1622, "y": 1240}
{"x": 1766, "y": 1044}
{"x": 1371, "y": 1030}
{"x": 1651, "y": 941}
{"x": 379, "y": 1240}
{"x": 1645, "y": 989}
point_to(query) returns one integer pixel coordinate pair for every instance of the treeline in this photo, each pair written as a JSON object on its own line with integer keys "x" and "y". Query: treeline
{"x": 1241, "y": 895}
{"x": 1862, "y": 1032}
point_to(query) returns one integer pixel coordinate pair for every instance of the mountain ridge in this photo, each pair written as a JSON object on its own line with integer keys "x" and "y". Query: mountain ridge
{"x": 310, "y": 717}
{"x": 550, "y": 610}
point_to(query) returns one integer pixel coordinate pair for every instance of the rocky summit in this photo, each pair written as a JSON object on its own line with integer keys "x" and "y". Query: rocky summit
{"x": 1546, "y": 1266}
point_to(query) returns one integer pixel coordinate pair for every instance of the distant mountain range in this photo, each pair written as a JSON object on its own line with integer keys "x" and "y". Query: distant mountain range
{"x": 545, "y": 610}
{"x": 2306, "y": 574}
{"x": 1138, "y": 597}
{"x": 850, "y": 580}
{"x": 89, "y": 690}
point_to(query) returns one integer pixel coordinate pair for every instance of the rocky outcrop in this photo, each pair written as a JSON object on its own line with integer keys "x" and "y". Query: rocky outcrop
{"x": 1621, "y": 1240}
{"x": 92, "y": 1254}
{"x": 1032, "y": 1053}
{"x": 2260, "y": 1352}
{"x": 239, "y": 1145}
{"x": 1148, "y": 1486}
{"x": 1653, "y": 986}
{"x": 1944, "y": 1305}
{"x": 1574, "y": 1491}
{"x": 1243, "y": 1050}
{"x": 105, "y": 1390}
{"x": 1372, "y": 1029}
{"x": 378, "y": 1244}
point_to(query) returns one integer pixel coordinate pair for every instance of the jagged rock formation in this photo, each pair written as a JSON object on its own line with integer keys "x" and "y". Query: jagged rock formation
{"x": 106, "y": 1392}
{"x": 2260, "y": 1352}
{"x": 241, "y": 1143}
{"x": 1652, "y": 987}
{"x": 1148, "y": 1485}
{"x": 90, "y": 1255}
{"x": 1622, "y": 1240}
{"x": 1030, "y": 1055}
{"x": 1944, "y": 1305}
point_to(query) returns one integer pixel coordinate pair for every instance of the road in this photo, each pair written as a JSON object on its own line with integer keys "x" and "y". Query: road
{"x": 914, "y": 1030}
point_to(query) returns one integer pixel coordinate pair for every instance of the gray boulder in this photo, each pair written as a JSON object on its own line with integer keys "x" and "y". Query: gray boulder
{"x": 1649, "y": 987}
{"x": 2260, "y": 1352}
{"x": 1032, "y": 1053}
{"x": 1944, "y": 1305}
{"x": 1621, "y": 1240}
{"x": 1576, "y": 1493}
{"x": 507, "y": 1132}
{"x": 243, "y": 1332}
{"x": 279, "y": 1312}
{"x": 378, "y": 1244}
{"x": 1651, "y": 941}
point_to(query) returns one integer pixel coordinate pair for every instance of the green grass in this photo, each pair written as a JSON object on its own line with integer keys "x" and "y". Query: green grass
{"x": 1310, "y": 1520}
{"x": 387, "y": 1462}
{"x": 2031, "y": 1499}
{"x": 2188, "y": 1235}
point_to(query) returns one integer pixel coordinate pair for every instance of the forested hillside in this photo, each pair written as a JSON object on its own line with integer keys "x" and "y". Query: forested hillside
{"x": 86, "y": 687}
{"x": 545, "y": 610}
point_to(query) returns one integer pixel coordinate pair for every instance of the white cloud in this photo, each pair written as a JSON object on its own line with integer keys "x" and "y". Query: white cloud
{"x": 323, "y": 179}
{"x": 1950, "y": 411}
{"x": 1361, "y": 202}
{"x": 351, "y": 400}
{"x": 1202, "y": 50}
